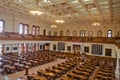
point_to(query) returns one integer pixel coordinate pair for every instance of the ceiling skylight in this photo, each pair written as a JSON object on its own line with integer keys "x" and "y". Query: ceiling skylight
{"x": 21, "y": 1}
{"x": 75, "y": 1}
{"x": 46, "y": 0}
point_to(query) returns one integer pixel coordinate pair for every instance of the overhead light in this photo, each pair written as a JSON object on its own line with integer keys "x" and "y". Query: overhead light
{"x": 86, "y": 0}
{"x": 21, "y": 1}
{"x": 36, "y": 12}
{"x": 46, "y": 0}
{"x": 59, "y": 21}
{"x": 96, "y": 24}
{"x": 53, "y": 26}
{"x": 75, "y": 1}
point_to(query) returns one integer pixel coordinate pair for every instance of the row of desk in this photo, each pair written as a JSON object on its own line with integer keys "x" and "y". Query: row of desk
{"x": 56, "y": 71}
{"x": 14, "y": 63}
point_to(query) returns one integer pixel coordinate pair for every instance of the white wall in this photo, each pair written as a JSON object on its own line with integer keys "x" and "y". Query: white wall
{"x": 115, "y": 27}
{"x": 12, "y": 22}
{"x": 109, "y": 46}
{"x": 11, "y": 44}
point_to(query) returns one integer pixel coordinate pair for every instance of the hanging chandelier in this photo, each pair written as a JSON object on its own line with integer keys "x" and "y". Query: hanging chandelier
{"x": 53, "y": 26}
{"x": 96, "y": 24}
{"x": 36, "y": 12}
{"x": 59, "y": 21}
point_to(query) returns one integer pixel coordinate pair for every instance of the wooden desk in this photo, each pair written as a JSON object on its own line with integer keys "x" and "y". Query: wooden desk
{"x": 49, "y": 74}
{"x": 37, "y": 77}
{"x": 76, "y": 76}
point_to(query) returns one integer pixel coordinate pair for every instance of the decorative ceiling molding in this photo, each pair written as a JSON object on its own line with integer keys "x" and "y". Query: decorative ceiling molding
{"x": 73, "y": 12}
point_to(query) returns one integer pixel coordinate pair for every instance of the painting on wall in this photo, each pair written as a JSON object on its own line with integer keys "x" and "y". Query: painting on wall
{"x": 15, "y": 48}
{"x": 54, "y": 46}
{"x": 40, "y": 47}
{"x": 86, "y": 49}
{"x": 68, "y": 48}
{"x": 108, "y": 52}
{"x": 7, "y": 48}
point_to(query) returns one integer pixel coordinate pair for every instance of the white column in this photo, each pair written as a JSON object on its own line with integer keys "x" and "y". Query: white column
{"x": 117, "y": 73}
{"x": 82, "y": 48}
{"x": 19, "y": 49}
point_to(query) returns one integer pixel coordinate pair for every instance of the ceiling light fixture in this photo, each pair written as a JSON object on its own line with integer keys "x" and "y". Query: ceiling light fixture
{"x": 59, "y": 21}
{"x": 53, "y": 26}
{"x": 46, "y": 0}
{"x": 75, "y": 1}
{"x": 36, "y": 12}
{"x": 86, "y": 0}
{"x": 21, "y": 1}
{"x": 96, "y": 24}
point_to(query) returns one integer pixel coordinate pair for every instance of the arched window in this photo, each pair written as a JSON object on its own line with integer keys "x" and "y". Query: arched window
{"x": 90, "y": 33}
{"x": 109, "y": 33}
{"x": 49, "y": 33}
{"x": 67, "y": 33}
{"x": 82, "y": 33}
{"x": 118, "y": 34}
{"x": 61, "y": 33}
{"x": 44, "y": 32}
{"x": 2, "y": 25}
{"x": 26, "y": 28}
{"x": 99, "y": 33}
{"x": 35, "y": 30}
{"x": 74, "y": 33}
{"x": 23, "y": 28}
{"x": 55, "y": 33}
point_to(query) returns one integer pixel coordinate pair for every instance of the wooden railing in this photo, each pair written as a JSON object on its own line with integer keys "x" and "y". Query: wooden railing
{"x": 17, "y": 36}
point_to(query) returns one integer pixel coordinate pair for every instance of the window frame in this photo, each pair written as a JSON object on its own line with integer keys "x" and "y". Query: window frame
{"x": 109, "y": 33}
{"x": 24, "y": 30}
{"x": 99, "y": 33}
{"x": 44, "y": 32}
{"x": 81, "y": 34}
{"x": 3, "y": 26}
{"x": 35, "y": 30}
{"x": 74, "y": 33}
{"x": 67, "y": 33}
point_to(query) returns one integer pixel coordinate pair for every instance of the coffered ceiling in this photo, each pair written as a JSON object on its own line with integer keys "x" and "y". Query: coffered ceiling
{"x": 71, "y": 11}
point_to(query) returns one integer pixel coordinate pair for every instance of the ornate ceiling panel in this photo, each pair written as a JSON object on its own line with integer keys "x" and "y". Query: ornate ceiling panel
{"x": 72, "y": 11}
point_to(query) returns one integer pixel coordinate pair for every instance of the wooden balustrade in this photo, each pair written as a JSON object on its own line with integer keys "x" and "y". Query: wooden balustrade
{"x": 16, "y": 36}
